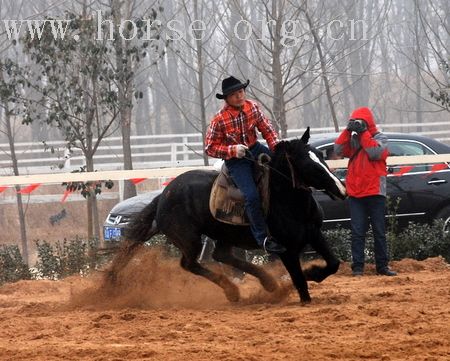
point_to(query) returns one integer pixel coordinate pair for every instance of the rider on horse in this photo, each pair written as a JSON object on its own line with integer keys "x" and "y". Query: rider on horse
{"x": 232, "y": 136}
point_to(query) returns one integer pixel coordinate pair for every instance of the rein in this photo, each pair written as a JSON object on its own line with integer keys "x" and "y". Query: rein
{"x": 291, "y": 168}
{"x": 296, "y": 183}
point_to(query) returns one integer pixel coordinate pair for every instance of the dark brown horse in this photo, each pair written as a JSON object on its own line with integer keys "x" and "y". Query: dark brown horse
{"x": 182, "y": 213}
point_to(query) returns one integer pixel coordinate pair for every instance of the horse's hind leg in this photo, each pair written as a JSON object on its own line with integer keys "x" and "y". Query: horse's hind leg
{"x": 318, "y": 273}
{"x": 190, "y": 252}
{"x": 223, "y": 253}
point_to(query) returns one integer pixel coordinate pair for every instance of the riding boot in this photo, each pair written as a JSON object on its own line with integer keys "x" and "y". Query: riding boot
{"x": 271, "y": 246}
{"x": 259, "y": 229}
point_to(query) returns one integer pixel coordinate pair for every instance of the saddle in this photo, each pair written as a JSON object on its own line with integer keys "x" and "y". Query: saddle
{"x": 227, "y": 203}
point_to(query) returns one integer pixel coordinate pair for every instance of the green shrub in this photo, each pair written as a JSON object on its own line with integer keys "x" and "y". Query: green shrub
{"x": 418, "y": 241}
{"x": 12, "y": 266}
{"x": 47, "y": 264}
{"x": 421, "y": 241}
{"x": 339, "y": 240}
{"x": 62, "y": 259}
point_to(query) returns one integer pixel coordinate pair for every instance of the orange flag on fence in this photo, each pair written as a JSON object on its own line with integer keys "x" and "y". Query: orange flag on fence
{"x": 168, "y": 181}
{"x": 67, "y": 192}
{"x": 137, "y": 180}
{"x": 437, "y": 167}
{"x": 29, "y": 189}
{"x": 3, "y": 188}
{"x": 403, "y": 170}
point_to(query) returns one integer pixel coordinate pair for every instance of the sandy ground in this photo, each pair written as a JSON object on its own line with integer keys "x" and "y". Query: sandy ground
{"x": 160, "y": 312}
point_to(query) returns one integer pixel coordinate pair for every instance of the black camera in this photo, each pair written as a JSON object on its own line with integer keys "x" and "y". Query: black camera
{"x": 357, "y": 125}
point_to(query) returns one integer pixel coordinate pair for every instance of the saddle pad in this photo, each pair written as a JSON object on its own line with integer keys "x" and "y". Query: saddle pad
{"x": 225, "y": 208}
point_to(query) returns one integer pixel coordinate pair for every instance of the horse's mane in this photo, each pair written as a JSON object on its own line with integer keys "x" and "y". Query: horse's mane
{"x": 294, "y": 147}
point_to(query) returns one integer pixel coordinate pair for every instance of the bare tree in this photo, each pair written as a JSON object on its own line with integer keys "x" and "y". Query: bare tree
{"x": 202, "y": 59}
{"x": 276, "y": 51}
{"x": 421, "y": 54}
{"x": 131, "y": 43}
{"x": 8, "y": 90}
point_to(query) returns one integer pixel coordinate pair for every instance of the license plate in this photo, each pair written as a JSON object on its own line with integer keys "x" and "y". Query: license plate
{"x": 112, "y": 233}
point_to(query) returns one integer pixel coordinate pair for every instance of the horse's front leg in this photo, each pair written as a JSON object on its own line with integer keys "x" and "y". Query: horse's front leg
{"x": 222, "y": 253}
{"x": 292, "y": 264}
{"x": 317, "y": 273}
{"x": 190, "y": 246}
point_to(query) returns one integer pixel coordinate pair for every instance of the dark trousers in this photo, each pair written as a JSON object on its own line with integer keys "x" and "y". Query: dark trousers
{"x": 363, "y": 210}
{"x": 241, "y": 171}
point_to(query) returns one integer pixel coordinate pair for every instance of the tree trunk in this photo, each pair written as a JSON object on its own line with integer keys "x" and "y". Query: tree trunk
{"x": 89, "y": 168}
{"x": 201, "y": 89}
{"x": 129, "y": 188}
{"x": 279, "y": 109}
{"x": 92, "y": 207}
{"x": 22, "y": 222}
{"x": 123, "y": 64}
{"x": 142, "y": 107}
{"x": 419, "y": 64}
{"x": 323, "y": 69}
{"x": 240, "y": 63}
{"x": 15, "y": 165}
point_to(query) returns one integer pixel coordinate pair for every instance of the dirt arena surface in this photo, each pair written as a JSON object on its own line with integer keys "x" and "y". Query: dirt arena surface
{"x": 160, "y": 312}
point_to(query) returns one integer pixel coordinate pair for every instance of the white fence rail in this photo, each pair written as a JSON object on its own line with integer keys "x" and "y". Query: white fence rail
{"x": 153, "y": 151}
{"x": 172, "y": 172}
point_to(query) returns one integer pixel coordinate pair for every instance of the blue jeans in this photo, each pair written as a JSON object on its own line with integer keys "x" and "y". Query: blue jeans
{"x": 241, "y": 171}
{"x": 361, "y": 211}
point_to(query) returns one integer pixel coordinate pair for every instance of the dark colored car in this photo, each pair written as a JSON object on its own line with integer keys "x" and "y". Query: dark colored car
{"x": 422, "y": 196}
{"x": 121, "y": 213}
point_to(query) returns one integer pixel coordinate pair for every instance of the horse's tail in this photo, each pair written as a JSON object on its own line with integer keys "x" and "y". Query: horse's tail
{"x": 143, "y": 226}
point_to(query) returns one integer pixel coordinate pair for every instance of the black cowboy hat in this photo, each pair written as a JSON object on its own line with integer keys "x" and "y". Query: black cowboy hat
{"x": 230, "y": 85}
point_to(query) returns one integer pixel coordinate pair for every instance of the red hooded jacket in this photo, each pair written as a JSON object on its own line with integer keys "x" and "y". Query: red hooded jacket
{"x": 366, "y": 174}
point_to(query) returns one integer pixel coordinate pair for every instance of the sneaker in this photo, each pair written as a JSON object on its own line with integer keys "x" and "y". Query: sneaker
{"x": 386, "y": 272}
{"x": 271, "y": 246}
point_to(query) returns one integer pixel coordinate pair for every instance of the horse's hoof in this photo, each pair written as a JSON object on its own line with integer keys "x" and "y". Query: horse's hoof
{"x": 232, "y": 294}
{"x": 270, "y": 285}
{"x": 305, "y": 299}
{"x": 315, "y": 274}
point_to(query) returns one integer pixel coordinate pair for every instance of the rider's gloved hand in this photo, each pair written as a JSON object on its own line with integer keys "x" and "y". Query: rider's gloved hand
{"x": 240, "y": 150}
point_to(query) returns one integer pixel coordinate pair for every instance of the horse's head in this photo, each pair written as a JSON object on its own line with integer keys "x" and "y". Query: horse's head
{"x": 307, "y": 168}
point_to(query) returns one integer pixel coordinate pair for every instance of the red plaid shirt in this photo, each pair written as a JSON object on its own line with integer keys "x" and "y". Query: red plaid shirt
{"x": 231, "y": 126}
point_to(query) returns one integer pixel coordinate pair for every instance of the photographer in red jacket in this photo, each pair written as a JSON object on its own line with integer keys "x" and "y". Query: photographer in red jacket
{"x": 366, "y": 149}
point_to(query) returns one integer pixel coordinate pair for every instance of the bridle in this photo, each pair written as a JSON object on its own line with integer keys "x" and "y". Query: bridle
{"x": 296, "y": 182}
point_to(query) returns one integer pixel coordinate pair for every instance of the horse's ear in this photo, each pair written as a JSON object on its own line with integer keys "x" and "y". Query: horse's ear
{"x": 305, "y": 136}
